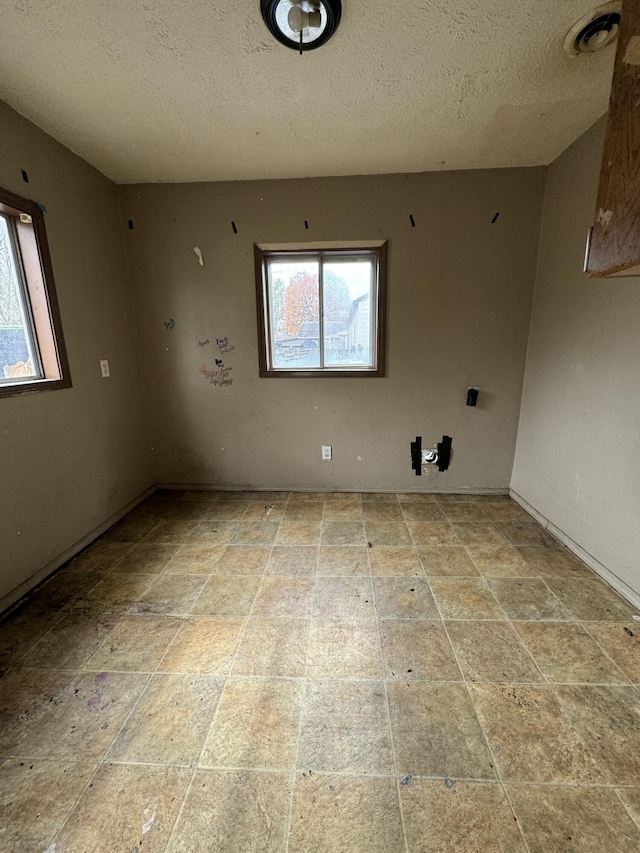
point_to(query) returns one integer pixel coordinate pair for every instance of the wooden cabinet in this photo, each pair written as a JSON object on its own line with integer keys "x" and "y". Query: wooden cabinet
{"x": 613, "y": 247}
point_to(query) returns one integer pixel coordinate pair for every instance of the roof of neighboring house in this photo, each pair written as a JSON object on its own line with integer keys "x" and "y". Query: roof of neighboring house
{"x": 355, "y": 305}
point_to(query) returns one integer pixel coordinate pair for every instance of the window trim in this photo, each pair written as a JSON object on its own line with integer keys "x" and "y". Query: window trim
{"x": 38, "y": 281}
{"x": 264, "y": 251}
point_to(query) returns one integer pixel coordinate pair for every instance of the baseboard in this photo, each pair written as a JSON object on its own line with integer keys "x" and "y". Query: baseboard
{"x": 13, "y": 597}
{"x": 599, "y": 568}
{"x": 200, "y": 487}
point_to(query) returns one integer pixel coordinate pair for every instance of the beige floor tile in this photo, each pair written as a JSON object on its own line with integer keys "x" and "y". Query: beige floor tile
{"x": 505, "y": 511}
{"x": 454, "y": 498}
{"x": 404, "y": 598}
{"x": 21, "y": 630}
{"x": 342, "y": 498}
{"x": 621, "y": 642}
{"x": 631, "y": 800}
{"x": 101, "y": 556}
{"x": 344, "y": 728}
{"x": 387, "y": 534}
{"x": 527, "y": 599}
{"x": 477, "y": 533}
{"x": 136, "y": 644}
{"x": 492, "y": 652}
{"x": 343, "y": 533}
{"x": 264, "y": 511}
{"x": 275, "y": 647}
{"x": 464, "y": 511}
{"x": 147, "y": 559}
{"x": 526, "y": 533}
{"x": 422, "y": 512}
{"x": 126, "y": 808}
{"x": 233, "y": 812}
{"x": 206, "y": 495}
{"x": 121, "y": 589}
{"x": 395, "y": 561}
{"x": 171, "y": 594}
{"x": 302, "y": 497}
{"x": 591, "y": 599}
{"x": 554, "y": 562}
{"x": 373, "y": 511}
{"x": 71, "y": 643}
{"x": 284, "y": 596}
{"x": 378, "y": 497}
{"x": 465, "y": 598}
{"x": 211, "y": 532}
{"x": 229, "y": 511}
{"x": 343, "y": 511}
{"x": 343, "y": 560}
{"x": 446, "y": 561}
{"x": 256, "y": 725}
{"x": 532, "y": 739}
{"x": 345, "y": 814}
{"x": 35, "y": 799}
{"x": 608, "y": 719}
{"x": 435, "y": 731}
{"x": 293, "y": 560}
{"x": 416, "y": 651}
{"x": 187, "y": 510}
{"x": 347, "y": 597}
{"x": 566, "y": 653}
{"x": 243, "y": 560}
{"x": 64, "y": 715}
{"x": 343, "y": 648}
{"x": 255, "y": 533}
{"x": 571, "y": 819}
{"x": 267, "y": 497}
{"x": 307, "y": 511}
{"x": 170, "y": 530}
{"x": 170, "y": 722}
{"x": 299, "y": 533}
{"x": 226, "y": 596}
{"x": 432, "y": 533}
{"x": 204, "y": 645}
{"x": 196, "y": 560}
{"x": 65, "y": 589}
{"x": 500, "y": 561}
{"x": 131, "y": 530}
{"x": 468, "y": 817}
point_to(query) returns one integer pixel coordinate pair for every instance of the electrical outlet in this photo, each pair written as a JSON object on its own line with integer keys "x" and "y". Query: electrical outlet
{"x": 326, "y": 453}
{"x": 104, "y": 367}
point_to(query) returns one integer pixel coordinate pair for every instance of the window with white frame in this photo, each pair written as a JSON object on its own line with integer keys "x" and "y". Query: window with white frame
{"x": 321, "y": 309}
{"x": 32, "y": 353}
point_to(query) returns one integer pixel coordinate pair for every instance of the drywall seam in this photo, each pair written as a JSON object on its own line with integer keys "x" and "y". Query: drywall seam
{"x": 30, "y": 584}
{"x": 227, "y": 487}
{"x": 599, "y": 568}
{"x": 137, "y": 344}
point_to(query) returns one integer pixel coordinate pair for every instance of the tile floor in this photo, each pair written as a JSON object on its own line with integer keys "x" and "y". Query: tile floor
{"x": 315, "y": 673}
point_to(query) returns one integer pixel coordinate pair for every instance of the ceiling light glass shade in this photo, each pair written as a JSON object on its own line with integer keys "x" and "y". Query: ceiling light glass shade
{"x": 319, "y": 21}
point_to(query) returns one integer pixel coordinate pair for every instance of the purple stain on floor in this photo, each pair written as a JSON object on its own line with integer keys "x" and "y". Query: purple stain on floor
{"x": 95, "y": 700}
{"x": 101, "y": 677}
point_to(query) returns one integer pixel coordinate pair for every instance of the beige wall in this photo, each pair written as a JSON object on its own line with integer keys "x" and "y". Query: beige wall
{"x": 71, "y": 459}
{"x": 460, "y": 291}
{"x": 578, "y": 454}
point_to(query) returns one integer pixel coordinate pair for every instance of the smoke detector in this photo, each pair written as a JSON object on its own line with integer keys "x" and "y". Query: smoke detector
{"x": 594, "y": 31}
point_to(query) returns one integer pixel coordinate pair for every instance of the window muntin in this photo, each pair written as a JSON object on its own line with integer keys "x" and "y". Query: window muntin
{"x": 32, "y": 351}
{"x": 321, "y": 311}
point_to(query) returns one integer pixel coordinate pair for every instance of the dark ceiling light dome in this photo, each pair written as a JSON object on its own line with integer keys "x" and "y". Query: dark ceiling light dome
{"x": 302, "y": 24}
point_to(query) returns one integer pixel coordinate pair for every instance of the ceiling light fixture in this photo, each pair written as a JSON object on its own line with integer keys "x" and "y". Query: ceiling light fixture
{"x": 301, "y": 24}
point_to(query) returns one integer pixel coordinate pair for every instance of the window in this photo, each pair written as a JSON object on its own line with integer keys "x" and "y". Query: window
{"x": 321, "y": 309}
{"x": 32, "y": 353}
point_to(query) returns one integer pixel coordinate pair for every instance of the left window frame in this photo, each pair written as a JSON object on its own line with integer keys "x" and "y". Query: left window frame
{"x": 39, "y": 303}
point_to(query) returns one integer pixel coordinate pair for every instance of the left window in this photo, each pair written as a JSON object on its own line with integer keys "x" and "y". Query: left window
{"x": 32, "y": 351}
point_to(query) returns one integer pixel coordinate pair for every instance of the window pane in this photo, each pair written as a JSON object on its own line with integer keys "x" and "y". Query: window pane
{"x": 16, "y": 352}
{"x": 294, "y": 314}
{"x": 348, "y": 303}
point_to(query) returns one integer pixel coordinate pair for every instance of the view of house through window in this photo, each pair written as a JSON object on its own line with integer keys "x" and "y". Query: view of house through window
{"x": 323, "y": 311}
{"x": 18, "y": 353}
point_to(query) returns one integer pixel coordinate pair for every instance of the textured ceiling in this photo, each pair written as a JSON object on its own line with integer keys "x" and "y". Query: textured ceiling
{"x": 195, "y": 90}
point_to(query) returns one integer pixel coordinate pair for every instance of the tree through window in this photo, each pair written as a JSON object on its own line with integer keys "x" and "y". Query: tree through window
{"x": 321, "y": 311}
